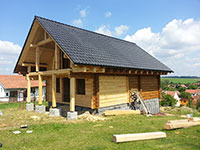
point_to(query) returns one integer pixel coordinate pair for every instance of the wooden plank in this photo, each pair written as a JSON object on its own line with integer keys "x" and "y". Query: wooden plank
{"x": 37, "y": 59}
{"x": 28, "y": 89}
{"x": 50, "y": 72}
{"x": 138, "y": 136}
{"x": 32, "y": 64}
{"x": 56, "y": 57}
{"x": 72, "y": 94}
{"x": 180, "y": 124}
{"x": 121, "y": 112}
{"x": 53, "y": 90}
{"x": 40, "y": 89}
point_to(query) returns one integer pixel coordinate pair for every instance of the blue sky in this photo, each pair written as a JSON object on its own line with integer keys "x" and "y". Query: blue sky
{"x": 157, "y": 26}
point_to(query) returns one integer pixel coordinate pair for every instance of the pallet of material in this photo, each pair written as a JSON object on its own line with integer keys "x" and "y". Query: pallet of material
{"x": 138, "y": 136}
{"x": 121, "y": 112}
{"x": 185, "y": 123}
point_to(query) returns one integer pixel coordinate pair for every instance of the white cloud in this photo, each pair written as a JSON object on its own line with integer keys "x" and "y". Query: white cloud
{"x": 118, "y": 31}
{"x": 178, "y": 40}
{"x": 77, "y": 22}
{"x": 104, "y": 30}
{"x": 7, "y": 47}
{"x": 108, "y": 14}
{"x": 8, "y": 56}
{"x": 83, "y": 13}
{"x": 122, "y": 29}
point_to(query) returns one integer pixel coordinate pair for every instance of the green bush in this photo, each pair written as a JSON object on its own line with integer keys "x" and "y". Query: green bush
{"x": 168, "y": 100}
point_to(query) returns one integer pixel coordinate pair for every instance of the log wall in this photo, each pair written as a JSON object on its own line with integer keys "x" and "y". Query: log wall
{"x": 113, "y": 90}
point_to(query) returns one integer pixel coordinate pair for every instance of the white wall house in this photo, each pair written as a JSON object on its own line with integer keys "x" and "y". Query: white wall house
{"x": 12, "y": 88}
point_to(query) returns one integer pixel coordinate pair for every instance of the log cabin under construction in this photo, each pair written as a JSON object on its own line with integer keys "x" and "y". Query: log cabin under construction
{"x": 87, "y": 70}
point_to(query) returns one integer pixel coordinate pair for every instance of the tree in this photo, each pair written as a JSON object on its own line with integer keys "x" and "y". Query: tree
{"x": 198, "y": 104}
{"x": 192, "y": 86}
{"x": 190, "y": 104}
{"x": 181, "y": 89}
{"x": 186, "y": 95}
{"x": 168, "y": 100}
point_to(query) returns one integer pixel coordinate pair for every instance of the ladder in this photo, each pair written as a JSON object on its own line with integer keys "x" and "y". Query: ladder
{"x": 143, "y": 104}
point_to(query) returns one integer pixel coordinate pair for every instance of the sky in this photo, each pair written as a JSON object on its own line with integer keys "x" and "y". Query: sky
{"x": 167, "y": 29}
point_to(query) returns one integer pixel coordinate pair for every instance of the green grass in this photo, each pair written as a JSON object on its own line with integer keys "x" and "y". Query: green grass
{"x": 98, "y": 135}
{"x": 182, "y": 80}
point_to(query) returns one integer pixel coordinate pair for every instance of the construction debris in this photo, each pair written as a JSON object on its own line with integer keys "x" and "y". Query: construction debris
{"x": 35, "y": 118}
{"x": 16, "y": 132}
{"x": 87, "y": 116}
{"x": 29, "y": 131}
{"x": 138, "y": 136}
{"x": 1, "y": 113}
{"x": 121, "y": 112}
{"x": 185, "y": 123}
{"x": 2, "y": 125}
{"x": 24, "y": 126}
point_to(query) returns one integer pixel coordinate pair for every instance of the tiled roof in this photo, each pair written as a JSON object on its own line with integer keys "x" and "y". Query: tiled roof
{"x": 90, "y": 48}
{"x": 16, "y": 82}
{"x": 172, "y": 93}
{"x": 192, "y": 91}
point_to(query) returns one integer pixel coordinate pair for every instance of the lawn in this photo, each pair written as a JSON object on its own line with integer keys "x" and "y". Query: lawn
{"x": 63, "y": 135}
{"x": 182, "y": 80}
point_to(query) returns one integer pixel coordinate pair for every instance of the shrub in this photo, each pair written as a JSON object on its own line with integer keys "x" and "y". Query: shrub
{"x": 198, "y": 104}
{"x": 168, "y": 100}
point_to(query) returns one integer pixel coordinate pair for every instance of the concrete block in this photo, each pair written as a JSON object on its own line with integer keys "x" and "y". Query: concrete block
{"x": 54, "y": 112}
{"x": 72, "y": 115}
{"x": 29, "y": 107}
{"x": 40, "y": 108}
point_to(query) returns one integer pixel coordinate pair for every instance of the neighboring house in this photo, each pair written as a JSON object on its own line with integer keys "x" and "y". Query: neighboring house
{"x": 88, "y": 70}
{"x": 13, "y": 86}
{"x": 183, "y": 85}
{"x": 194, "y": 92}
{"x": 174, "y": 94}
{"x": 195, "y": 99}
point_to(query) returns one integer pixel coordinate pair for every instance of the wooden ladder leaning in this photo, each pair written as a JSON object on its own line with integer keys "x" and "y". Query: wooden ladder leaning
{"x": 143, "y": 104}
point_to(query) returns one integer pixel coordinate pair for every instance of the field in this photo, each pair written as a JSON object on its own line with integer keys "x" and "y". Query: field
{"x": 182, "y": 80}
{"x": 57, "y": 133}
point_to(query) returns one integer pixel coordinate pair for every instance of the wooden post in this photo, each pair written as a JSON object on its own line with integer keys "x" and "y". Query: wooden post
{"x": 72, "y": 93}
{"x": 53, "y": 90}
{"x": 56, "y": 57}
{"x": 37, "y": 59}
{"x": 28, "y": 89}
{"x": 29, "y": 69}
{"x": 40, "y": 89}
{"x": 159, "y": 87}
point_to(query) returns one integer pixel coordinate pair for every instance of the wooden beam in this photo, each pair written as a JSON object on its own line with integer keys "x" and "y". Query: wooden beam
{"x": 180, "y": 124}
{"x": 53, "y": 90}
{"x": 43, "y": 42}
{"x": 138, "y": 136}
{"x": 121, "y": 112}
{"x": 50, "y": 72}
{"x": 40, "y": 90}
{"x": 32, "y": 64}
{"x": 37, "y": 59}
{"x": 72, "y": 93}
{"x": 56, "y": 57}
{"x": 28, "y": 89}
{"x": 29, "y": 69}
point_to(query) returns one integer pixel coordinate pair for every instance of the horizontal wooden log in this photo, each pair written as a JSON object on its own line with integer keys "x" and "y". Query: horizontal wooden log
{"x": 195, "y": 119}
{"x": 175, "y": 121}
{"x": 121, "y": 112}
{"x": 138, "y": 136}
{"x": 178, "y": 125}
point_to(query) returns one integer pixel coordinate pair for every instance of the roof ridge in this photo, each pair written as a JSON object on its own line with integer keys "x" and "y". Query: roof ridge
{"x": 84, "y": 30}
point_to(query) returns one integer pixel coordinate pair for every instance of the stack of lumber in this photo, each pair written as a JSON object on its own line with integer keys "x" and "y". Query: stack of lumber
{"x": 138, "y": 136}
{"x": 185, "y": 123}
{"x": 121, "y": 112}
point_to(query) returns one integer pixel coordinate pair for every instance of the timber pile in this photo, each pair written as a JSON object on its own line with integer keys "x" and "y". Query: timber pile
{"x": 87, "y": 116}
{"x": 185, "y": 123}
{"x": 138, "y": 136}
{"x": 121, "y": 112}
